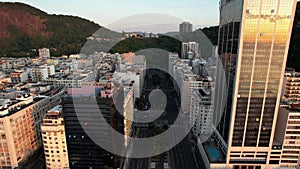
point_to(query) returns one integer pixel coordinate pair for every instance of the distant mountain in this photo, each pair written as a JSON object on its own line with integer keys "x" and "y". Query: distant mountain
{"x": 24, "y": 28}
{"x": 171, "y": 34}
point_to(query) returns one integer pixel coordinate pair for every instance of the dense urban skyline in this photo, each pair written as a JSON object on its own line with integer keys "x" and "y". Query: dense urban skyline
{"x": 153, "y": 101}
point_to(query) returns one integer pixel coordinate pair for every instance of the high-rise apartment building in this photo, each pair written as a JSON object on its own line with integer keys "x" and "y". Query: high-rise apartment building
{"x": 17, "y": 131}
{"x": 185, "y": 27}
{"x": 189, "y": 50}
{"x": 54, "y": 140}
{"x": 187, "y": 78}
{"x": 254, "y": 38}
{"x": 201, "y": 111}
{"x": 83, "y": 152}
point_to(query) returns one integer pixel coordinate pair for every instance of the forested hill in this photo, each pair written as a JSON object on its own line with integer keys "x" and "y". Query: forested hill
{"x": 24, "y": 28}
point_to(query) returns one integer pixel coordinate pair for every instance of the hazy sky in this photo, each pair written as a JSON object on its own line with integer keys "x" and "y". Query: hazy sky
{"x": 104, "y": 12}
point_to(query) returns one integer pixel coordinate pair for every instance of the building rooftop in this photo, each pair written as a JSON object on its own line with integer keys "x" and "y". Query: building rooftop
{"x": 213, "y": 152}
{"x": 11, "y": 106}
{"x": 54, "y": 113}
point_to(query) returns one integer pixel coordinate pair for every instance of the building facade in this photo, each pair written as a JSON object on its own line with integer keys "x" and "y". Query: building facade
{"x": 18, "y": 76}
{"x": 185, "y": 27}
{"x": 83, "y": 152}
{"x": 254, "y": 38}
{"x": 44, "y": 52}
{"x": 291, "y": 87}
{"x": 17, "y": 130}
{"x": 288, "y": 138}
{"x": 201, "y": 111}
{"x": 54, "y": 140}
{"x": 189, "y": 50}
{"x": 187, "y": 78}
{"x": 39, "y": 74}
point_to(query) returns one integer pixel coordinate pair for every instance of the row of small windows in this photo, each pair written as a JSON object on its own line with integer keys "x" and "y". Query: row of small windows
{"x": 52, "y": 151}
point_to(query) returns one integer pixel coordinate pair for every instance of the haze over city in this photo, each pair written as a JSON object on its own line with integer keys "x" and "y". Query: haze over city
{"x": 104, "y": 12}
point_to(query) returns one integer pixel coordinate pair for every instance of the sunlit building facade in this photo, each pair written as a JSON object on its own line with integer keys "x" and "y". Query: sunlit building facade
{"x": 254, "y": 39}
{"x": 54, "y": 140}
{"x": 17, "y": 130}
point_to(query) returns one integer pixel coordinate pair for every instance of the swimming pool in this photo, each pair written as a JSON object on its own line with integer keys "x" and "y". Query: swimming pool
{"x": 213, "y": 153}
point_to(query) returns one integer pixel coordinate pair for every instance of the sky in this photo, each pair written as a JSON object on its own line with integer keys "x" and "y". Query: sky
{"x": 107, "y": 12}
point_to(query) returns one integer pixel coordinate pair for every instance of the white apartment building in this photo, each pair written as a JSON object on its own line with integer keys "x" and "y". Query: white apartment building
{"x": 39, "y": 73}
{"x": 185, "y": 80}
{"x": 44, "y": 52}
{"x": 131, "y": 77}
{"x": 201, "y": 111}
{"x": 74, "y": 80}
{"x": 51, "y": 69}
{"x": 189, "y": 50}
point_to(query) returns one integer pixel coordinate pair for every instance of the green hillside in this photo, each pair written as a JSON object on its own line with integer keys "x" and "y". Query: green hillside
{"x": 24, "y": 28}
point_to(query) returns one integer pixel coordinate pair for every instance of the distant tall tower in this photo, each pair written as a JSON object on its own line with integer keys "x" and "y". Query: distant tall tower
{"x": 185, "y": 27}
{"x": 254, "y": 39}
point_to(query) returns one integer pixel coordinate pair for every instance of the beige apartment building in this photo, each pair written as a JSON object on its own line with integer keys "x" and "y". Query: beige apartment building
{"x": 17, "y": 130}
{"x": 291, "y": 87}
{"x": 54, "y": 140}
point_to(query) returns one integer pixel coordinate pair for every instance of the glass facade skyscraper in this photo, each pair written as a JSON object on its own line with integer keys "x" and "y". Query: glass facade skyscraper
{"x": 254, "y": 38}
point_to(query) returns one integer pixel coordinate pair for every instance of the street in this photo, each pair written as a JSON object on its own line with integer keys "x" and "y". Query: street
{"x": 140, "y": 163}
{"x": 182, "y": 155}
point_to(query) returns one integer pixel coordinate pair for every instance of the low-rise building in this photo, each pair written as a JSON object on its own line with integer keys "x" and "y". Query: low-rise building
{"x": 44, "y": 52}
{"x": 39, "y": 74}
{"x": 18, "y": 76}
